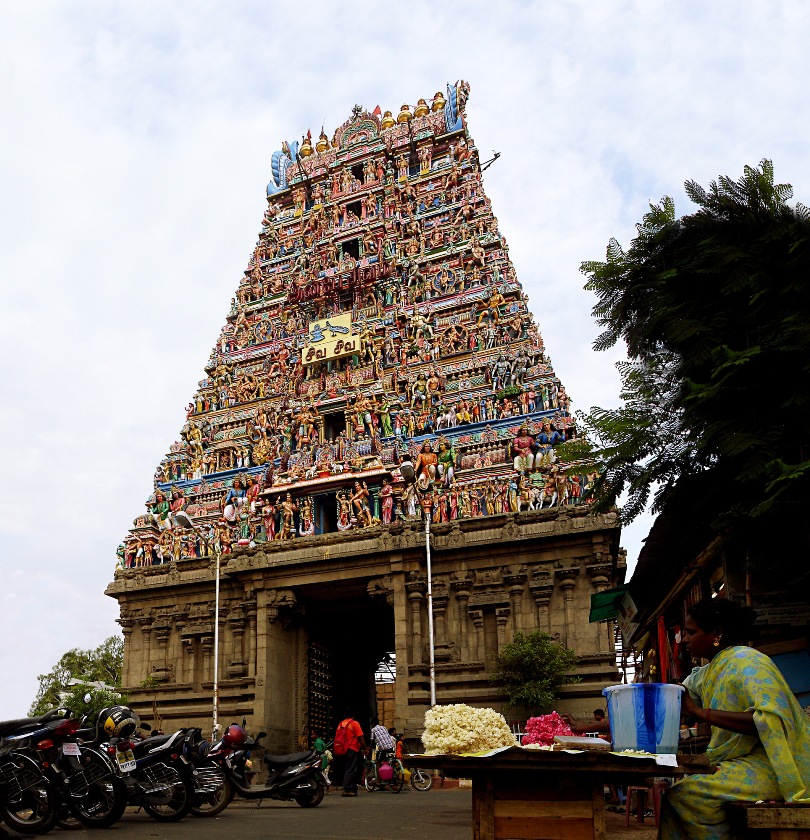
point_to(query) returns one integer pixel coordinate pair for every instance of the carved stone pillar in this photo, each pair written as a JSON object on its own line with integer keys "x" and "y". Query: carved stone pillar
{"x": 127, "y": 626}
{"x": 600, "y": 578}
{"x": 477, "y": 618}
{"x": 146, "y": 633}
{"x": 416, "y": 587}
{"x": 441, "y": 598}
{"x": 250, "y": 609}
{"x": 190, "y": 656}
{"x": 568, "y": 580}
{"x": 461, "y": 586}
{"x": 207, "y": 644}
{"x": 514, "y": 580}
{"x": 236, "y": 665}
{"x": 501, "y": 623}
{"x": 542, "y": 588}
{"x": 160, "y": 670}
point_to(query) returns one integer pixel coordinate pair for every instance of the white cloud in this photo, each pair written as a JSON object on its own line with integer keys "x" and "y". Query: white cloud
{"x": 136, "y": 142}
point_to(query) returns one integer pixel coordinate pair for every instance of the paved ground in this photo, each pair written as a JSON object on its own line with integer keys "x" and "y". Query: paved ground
{"x": 435, "y": 815}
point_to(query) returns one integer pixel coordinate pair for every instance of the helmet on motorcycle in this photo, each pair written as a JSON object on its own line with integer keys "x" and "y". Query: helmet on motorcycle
{"x": 118, "y": 721}
{"x": 234, "y": 737}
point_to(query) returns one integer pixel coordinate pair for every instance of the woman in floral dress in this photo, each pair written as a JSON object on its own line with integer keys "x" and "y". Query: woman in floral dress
{"x": 760, "y": 734}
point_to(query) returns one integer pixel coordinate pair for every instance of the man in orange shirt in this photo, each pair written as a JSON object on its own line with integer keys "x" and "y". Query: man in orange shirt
{"x": 351, "y": 745}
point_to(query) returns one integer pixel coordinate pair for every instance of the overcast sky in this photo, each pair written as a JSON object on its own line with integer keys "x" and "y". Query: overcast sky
{"x": 135, "y": 144}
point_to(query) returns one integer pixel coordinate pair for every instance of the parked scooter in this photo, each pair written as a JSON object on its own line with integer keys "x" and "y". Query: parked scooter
{"x": 292, "y": 778}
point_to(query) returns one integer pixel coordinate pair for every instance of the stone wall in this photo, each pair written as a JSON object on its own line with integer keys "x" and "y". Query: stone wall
{"x": 492, "y": 577}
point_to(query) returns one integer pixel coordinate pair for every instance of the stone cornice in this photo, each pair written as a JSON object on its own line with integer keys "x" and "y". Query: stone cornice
{"x": 371, "y": 545}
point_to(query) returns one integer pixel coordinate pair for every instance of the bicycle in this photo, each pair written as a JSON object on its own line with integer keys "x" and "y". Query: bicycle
{"x": 421, "y": 780}
{"x": 371, "y": 774}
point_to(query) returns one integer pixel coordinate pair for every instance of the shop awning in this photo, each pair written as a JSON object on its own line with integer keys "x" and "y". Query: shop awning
{"x": 605, "y": 605}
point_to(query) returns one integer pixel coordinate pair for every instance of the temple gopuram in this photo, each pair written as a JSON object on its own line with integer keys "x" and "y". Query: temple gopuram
{"x": 378, "y": 365}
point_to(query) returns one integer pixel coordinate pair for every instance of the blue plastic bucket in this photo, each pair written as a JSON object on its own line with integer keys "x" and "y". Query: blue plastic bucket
{"x": 644, "y": 716}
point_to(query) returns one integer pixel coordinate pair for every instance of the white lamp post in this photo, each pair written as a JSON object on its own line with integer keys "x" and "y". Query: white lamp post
{"x": 185, "y": 521}
{"x": 426, "y": 512}
{"x": 407, "y": 472}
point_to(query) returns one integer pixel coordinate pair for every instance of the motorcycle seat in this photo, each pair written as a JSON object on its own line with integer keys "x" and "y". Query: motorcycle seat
{"x": 86, "y": 734}
{"x": 9, "y": 727}
{"x": 142, "y": 748}
{"x": 285, "y": 760}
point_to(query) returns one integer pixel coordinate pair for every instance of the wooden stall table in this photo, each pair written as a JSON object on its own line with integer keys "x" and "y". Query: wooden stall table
{"x": 526, "y": 794}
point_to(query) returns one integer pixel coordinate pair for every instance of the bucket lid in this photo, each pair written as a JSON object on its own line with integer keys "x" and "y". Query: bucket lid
{"x": 621, "y": 686}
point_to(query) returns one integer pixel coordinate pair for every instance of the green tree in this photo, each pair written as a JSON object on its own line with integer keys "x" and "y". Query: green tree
{"x": 103, "y": 664}
{"x": 532, "y": 668}
{"x": 714, "y": 308}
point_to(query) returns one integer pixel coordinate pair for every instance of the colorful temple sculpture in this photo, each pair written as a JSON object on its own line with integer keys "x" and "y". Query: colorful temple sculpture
{"x": 378, "y": 365}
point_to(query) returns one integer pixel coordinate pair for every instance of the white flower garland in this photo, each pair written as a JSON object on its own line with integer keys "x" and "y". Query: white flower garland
{"x": 458, "y": 728}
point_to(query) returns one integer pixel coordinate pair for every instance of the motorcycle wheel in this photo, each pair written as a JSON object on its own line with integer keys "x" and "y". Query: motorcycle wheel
{"x": 211, "y": 804}
{"x": 35, "y": 809}
{"x": 182, "y": 795}
{"x": 421, "y": 780}
{"x": 312, "y": 798}
{"x": 66, "y": 821}
{"x": 105, "y": 800}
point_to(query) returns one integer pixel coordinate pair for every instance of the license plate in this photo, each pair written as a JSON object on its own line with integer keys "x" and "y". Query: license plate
{"x": 126, "y": 761}
{"x": 70, "y": 749}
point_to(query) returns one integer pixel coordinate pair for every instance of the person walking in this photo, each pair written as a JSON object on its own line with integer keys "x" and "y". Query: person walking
{"x": 350, "y": 745}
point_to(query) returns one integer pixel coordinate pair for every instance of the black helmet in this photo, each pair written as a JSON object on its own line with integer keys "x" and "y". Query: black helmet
{"x": 118, "y": 721}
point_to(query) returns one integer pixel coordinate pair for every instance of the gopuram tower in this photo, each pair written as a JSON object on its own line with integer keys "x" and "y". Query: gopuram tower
{"x": 378, "y": 365}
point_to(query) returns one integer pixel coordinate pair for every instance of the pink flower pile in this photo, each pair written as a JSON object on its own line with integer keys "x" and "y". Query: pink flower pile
{"x": 541, "y": 730}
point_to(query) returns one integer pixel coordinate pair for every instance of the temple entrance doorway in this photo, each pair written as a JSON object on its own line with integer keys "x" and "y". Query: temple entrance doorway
{"x": 348, "y": 635}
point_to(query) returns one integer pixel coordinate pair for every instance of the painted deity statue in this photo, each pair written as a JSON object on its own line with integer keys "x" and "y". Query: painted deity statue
{"x": 361, "y": 504}
{"x": 288, "y": 510}
{"x": 387, "y": 496}
{"x": 269, "y": 511}
{"x": 446, "y": 462}
{"x": 523, "y": 447}
{"x": 427, "y": 462}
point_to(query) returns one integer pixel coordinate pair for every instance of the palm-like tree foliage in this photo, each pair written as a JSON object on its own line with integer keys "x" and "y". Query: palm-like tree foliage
{"x": 714, "y": 308}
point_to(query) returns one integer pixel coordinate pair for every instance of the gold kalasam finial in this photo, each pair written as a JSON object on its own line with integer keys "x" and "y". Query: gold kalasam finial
{"x": 438, "y": 101}
{"x": 323, "y": 142}
{"x": 421, "y": 108}
{"x": 306, "y": 147}
{"x": 405, "y": 114}
{"x": 387, "y": 120}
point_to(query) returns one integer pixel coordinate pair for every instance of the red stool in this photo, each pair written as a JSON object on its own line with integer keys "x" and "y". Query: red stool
{"x": 643, "y": 793}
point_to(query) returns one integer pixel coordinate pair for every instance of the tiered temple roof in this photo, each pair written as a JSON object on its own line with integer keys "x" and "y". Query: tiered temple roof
{"x": 378, "y": 313}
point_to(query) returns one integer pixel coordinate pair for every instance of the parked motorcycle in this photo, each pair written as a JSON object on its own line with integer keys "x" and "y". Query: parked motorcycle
{"x": 213, "y": 791}
{"x": 29, "y": 803}
{"x": 156, "y": 772}
{"x": 292, "y": 778}
{"x": 91, "y": 794}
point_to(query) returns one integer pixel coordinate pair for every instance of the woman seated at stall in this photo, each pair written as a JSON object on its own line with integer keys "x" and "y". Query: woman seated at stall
{"x": 760, "y": 734}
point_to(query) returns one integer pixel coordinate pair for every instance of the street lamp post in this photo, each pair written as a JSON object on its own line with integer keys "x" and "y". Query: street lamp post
{"x": 432, "y": 648}
{"x": 217, "y": 554}
{"x": 407, "y": 472}
{"x": 185, "y": 521}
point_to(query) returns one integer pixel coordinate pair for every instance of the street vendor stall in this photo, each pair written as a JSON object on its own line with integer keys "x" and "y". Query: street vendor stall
{"x": 539, "y": 794}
